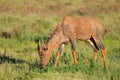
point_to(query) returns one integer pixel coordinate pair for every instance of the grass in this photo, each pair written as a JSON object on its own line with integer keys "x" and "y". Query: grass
{"x": 21, "y": 25}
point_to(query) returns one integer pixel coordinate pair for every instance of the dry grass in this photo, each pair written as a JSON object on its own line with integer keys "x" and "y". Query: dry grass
{"x": 61, "y": 8}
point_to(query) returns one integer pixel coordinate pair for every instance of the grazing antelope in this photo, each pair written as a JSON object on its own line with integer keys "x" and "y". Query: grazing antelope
{"x": 71, "y": 29}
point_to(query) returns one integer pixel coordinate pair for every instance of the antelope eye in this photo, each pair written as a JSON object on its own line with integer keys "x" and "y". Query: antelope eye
{"x": 45, "y": 48}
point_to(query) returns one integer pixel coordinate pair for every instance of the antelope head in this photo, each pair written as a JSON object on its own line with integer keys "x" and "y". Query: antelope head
{"x": 43, "y": 54}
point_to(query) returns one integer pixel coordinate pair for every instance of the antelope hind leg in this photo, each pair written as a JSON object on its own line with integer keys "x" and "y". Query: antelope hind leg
{"x": 103, "y": 50}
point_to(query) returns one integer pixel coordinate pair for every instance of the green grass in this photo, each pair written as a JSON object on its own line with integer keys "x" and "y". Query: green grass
{"x": 21, "y": 25}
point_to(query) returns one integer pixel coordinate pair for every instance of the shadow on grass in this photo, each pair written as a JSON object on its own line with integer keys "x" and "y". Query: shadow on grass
{"x": 7, "y": 59}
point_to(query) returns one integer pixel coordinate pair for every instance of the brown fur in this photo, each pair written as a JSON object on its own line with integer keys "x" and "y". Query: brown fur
{"x": 85, "y": 29}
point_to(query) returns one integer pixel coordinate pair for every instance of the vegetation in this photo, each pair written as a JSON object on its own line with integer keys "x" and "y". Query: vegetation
{"x": 23, "y": 22}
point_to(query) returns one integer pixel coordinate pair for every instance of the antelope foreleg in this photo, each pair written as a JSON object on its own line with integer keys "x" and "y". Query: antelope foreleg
{"x": 73, "y": 50}
{"x": 56, "y": 58}
{"x": 58, "y": 54}
{"x": 74, "y": 57}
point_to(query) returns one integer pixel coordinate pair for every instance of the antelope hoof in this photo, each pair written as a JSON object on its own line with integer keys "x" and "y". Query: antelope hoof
{"x": 54, "y": 65}
{"x": 75, "y": 63}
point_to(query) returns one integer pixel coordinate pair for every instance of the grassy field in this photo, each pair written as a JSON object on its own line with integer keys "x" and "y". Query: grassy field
{"x": 23, "y": 22}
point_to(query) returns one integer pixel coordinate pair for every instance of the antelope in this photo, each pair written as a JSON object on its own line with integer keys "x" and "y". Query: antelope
{"x": 70, "y": 29}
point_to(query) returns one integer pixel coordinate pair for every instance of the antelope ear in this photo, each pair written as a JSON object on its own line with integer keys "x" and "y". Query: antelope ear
{"x": 39, "y": 49}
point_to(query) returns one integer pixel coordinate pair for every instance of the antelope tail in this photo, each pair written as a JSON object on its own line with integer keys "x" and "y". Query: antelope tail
{"x": 107, "y": 30}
